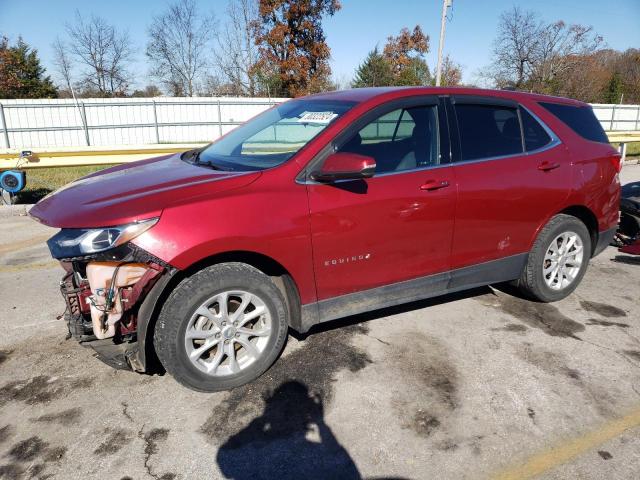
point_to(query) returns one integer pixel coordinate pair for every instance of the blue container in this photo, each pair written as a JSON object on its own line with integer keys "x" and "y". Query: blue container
{"x": 12, "y": 181}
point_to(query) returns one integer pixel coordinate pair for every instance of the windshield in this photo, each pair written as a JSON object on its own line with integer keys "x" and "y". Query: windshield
{"x": 274, "y": 136}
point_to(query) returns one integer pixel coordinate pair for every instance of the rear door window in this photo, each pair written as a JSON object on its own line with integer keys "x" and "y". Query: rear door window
{"x": 488, "y": 131}
{"x": 535, "y": 136}
{"x": 580, "y": 119}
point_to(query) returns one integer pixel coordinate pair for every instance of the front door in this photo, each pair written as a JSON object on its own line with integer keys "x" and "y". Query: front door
{"x": 397, "y": 225}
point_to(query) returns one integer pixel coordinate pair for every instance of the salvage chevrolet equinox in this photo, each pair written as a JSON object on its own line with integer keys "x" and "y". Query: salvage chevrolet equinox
{"x": 323, "y": 207}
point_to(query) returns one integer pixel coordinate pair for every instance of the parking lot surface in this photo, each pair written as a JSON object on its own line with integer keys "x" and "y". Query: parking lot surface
{"x": 480, "y": 384}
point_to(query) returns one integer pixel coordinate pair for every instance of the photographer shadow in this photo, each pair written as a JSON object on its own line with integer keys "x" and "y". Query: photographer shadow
{"x": 289, "y": 440}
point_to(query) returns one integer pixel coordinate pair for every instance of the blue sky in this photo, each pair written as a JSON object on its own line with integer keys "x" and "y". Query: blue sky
{"x": 351, "y": 33}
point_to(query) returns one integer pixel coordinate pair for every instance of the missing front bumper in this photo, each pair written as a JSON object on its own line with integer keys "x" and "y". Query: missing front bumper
{"x": 123, "y": 350}
{"x": 115, "y": 355}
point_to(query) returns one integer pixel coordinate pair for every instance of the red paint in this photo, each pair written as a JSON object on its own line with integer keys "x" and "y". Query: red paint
{"x": 345, "y": 163}
{"x": 405, "y": 231}
{"x": 337, "y": 239}
{"x": 633, "y": 249}
{"x": 498, "y": 212}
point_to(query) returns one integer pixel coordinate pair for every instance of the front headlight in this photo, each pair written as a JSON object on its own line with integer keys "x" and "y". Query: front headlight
{"x": 77, "y": 242}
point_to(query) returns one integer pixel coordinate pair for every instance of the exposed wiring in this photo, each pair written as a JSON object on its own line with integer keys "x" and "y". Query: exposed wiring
{"x": 22, "y": 159}
{"x": 110, "y": 296}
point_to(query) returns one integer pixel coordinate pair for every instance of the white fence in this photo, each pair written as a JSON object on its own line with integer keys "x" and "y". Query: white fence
{"x": 27, "y": 124}
{"x": 615, "y": 118}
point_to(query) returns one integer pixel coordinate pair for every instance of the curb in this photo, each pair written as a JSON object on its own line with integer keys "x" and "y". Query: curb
{"x": 8, "y": 211}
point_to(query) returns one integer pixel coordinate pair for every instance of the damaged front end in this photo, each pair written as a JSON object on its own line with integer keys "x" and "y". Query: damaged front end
{"x": 106, "y": 282}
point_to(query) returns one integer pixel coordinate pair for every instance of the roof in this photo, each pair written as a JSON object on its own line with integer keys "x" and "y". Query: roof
{"x": 360, "y": 95}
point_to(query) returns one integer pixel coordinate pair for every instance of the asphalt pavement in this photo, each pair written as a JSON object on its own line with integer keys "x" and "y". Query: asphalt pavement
{"x": 475, "y": 385}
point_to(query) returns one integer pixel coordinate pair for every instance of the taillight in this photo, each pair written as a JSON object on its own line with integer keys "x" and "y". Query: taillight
{"x": 616, "y": 161}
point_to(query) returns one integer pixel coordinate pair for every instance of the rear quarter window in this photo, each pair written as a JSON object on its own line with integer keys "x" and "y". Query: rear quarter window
{"x": 535, "y": 136}
{"x": 580, "y": 119}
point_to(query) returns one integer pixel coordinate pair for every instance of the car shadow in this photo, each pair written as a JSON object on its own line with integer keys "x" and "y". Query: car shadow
{"x": 289, "y": 440}
{"x": 626, "y": 259}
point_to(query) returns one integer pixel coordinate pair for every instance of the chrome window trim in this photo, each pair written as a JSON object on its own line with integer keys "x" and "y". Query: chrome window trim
{"x": 555, "y": 141}
{"x": 363, "y": 120}
{"x": 554, "y": 138}
{"x": 430, "y": 167}
{"x": 386, "y": 174}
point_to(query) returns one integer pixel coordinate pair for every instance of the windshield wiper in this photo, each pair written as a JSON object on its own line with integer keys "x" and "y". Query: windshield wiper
{"x": 193, "y": 156}
{"x": 211, "y": 165}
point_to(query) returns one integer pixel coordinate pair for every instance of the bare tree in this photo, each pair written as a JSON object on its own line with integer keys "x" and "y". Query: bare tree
{"x": 561, "y": 48}
{"x": 628, "y": 65}
{"x": 236, "y": 51}
{"x": 451, "y": 72}
{"x": 147, "y": 92}
{"x": 515, "y": 47}
{"x": 340, "y": 81}
{"x": 62, "y": 62}
{"x": 104, "y": 52}
{"x": 531, "y": 54}
{"x": 179, "y": 40}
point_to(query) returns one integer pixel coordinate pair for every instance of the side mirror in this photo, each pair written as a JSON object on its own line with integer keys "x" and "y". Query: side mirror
{"x": 345, "y": 166}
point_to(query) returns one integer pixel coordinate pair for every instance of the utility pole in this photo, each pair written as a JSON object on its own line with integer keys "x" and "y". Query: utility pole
{"x": 445, "y": 4}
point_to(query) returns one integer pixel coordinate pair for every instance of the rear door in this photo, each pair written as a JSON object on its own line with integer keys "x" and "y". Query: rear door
{"x": 512, "y": 173}
{"x": 397, "y": 225}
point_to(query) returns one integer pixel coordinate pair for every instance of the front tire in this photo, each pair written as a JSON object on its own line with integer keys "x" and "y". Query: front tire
{"x": 558, "y": 260}
{"x": 221, "y": 328}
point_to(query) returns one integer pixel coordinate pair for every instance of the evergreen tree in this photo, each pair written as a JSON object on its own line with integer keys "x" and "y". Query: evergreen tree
{"x": 400, "y": 63}
{"x": 614, "y": 89}
{"x": 21, "y": 75}
{"x": 375, "y": 71}
{"x": 416, "y": 72}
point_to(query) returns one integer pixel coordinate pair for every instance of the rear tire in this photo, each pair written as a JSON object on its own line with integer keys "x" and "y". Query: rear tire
{"x": 221, "y": 328}
{"x": 558, "y": 260}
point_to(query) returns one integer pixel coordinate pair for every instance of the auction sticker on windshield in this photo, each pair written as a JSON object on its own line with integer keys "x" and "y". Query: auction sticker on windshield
{"x": 317, "y": 117}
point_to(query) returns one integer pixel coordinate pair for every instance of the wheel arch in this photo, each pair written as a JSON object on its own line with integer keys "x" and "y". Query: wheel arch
{"x": 153, "y": 303}
{"x": 586, "y": 216}
{"x": 283, "y": 279}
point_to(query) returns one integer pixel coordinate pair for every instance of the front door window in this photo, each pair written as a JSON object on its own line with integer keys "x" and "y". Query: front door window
{"x": 404, "y": 139}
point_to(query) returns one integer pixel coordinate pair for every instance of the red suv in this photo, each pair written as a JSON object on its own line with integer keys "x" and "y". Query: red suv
{"x": 323, "y": 207}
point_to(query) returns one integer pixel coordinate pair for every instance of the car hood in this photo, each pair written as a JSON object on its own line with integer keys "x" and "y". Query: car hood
{"x": 133, "y": 192}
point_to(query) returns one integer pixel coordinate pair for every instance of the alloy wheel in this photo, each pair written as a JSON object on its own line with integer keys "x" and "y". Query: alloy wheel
{"x": 228, "y": 332}
{"x": 563, "y": 260}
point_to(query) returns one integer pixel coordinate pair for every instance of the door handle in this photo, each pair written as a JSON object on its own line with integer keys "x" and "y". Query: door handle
{"x": 434, "y": 185}
{"x": 548, "y": 166}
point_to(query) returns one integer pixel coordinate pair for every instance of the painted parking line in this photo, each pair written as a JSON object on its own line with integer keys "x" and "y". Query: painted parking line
{"x": 29, "y": 266}
{"x": 44, "y": 324}
{"x": 23, "y": 244}
{"x": 569, "y": 450}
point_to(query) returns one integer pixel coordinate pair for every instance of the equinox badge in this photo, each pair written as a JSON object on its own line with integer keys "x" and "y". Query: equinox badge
{"x": 351, "y": 259}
